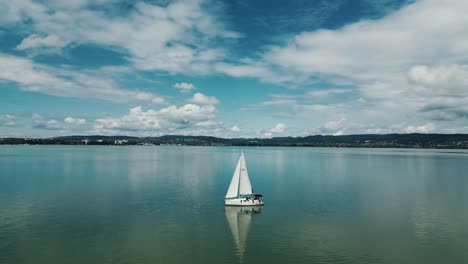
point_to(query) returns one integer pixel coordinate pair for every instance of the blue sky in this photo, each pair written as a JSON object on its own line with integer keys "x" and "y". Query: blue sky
{"x": 233, "y": 68}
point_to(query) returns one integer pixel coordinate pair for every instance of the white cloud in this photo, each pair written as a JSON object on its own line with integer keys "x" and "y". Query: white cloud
{"x": 67, "y": 126}
{"x": 164, "y": 121}
{"x": 338, "y": 127}
{"x": 313, "y": 104}
{"x": 372, "y": 50}
{"x": 449, "y": 80}
{"x": 7, "y": 120}
{"x": 445, "y": 91}
{"x": 243, "y": 70}
{"x": 361, "y": 100}
{"x": 426, "y": 128}
{"x": 200, "y": 98}
{"x": 334, "y": 127}
{"x": 310, "y": 100}
{"x": 208, "y": 123}
{"x": 77, "y": 121}
{"x": 344, "y": 126}
{"x": 51, "y": 124}
{"x": 35, "y": 77}
{"x": 279, "y": 128}
{"x": 396, "y": 73}
{"x": 235, "y": 129}
{"x": 328, "y": 92}
{"x": 254, "y": 69}
{"x": 184, "y": 87}
{"x": 36, "y": 41}
{"x": 396, "y": 70}
{"x": 174, "y": 38}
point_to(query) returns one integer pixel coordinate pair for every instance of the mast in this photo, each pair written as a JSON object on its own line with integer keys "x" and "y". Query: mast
{"x": 240, "y": 171}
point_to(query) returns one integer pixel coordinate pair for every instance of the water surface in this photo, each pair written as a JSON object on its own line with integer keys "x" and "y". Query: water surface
{"x": 107, "y": 204}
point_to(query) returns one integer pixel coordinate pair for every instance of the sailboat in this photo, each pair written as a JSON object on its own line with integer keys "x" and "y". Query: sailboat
{"x": 240, "y": 190}
{"x": 239, "y": 219}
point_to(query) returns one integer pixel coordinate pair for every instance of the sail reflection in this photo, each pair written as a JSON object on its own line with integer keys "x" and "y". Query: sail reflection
{"x": 239, "y": 219}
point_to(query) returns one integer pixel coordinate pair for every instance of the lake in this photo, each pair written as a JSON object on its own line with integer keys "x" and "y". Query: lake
{"x": 165, "y": 204}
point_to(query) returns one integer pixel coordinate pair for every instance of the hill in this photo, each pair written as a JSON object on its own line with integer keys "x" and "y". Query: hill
{"x": 367, "y": 140}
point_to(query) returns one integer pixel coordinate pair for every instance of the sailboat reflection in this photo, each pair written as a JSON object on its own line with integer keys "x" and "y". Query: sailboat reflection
{"x": 239, "y": 218}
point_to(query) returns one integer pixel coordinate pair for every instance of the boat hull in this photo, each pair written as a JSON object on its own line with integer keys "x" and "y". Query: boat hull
{"x": 243, "y": 202}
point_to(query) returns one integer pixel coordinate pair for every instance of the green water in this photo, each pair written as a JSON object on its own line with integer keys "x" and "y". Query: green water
{"x": 85, "y": 204}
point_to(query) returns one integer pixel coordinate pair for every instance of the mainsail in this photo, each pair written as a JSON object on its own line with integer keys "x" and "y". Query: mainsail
{"x": 244, "y": 185}
{"x": 240, "y": 183}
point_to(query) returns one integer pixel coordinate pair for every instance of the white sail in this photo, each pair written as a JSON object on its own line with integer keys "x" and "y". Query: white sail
{"x": 240, "y": 183}
{"x": 244, "y": 186}
{"x": 233, "y": 190}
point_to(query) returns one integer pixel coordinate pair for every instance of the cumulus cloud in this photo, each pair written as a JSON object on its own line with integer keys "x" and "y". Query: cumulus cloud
{"x": 184, "y": 87}
{"x": 308, "y": 97}
{"x": 343, "y": 126}
{"x": 202, "y": 99}
{"x": 371, "y": 50}
{"x": 388, "y": 65}
{"x": 319, "y": 105}
{"x": 446, "y": 88}
{"x": 163, "y": 121}
{"x": 36, "y": 41}
{"x": 235, "y": 129}
{"x": 279, "y": 128}
{"x": 395, "y": 72}
{"x": 209, "y": 123}
{"x": 51, "y": 124}
{"x": 241, "y": 70}
{"x": 7, "y": 120}
{"x": 175, "y": 37}
{"x": 449, "y": 80}
{"x": 67, "y": 125}
{"x": 426, "y": 128}
{"x": 35, "y": 77}
{"x": 328, "y": 92}
{"x": 254, "y": 69}
{"x": 76, "y": 121}
{"x": 334, "y": 127}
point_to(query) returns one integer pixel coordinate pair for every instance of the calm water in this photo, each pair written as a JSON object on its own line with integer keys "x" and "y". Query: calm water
{"x": 76, "y": 204}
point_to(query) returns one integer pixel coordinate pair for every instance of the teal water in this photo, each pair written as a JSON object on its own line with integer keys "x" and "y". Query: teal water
{"x": 85, "y": 204}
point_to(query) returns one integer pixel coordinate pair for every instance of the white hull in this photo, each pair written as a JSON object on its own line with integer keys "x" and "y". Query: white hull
{"x": 242, "y": 202}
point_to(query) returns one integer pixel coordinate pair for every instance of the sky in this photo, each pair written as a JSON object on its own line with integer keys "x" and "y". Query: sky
{"x": 233, "y": 68}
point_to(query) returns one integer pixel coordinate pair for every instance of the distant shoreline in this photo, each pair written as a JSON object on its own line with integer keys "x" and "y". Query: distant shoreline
{"x": 425, "y": 141}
